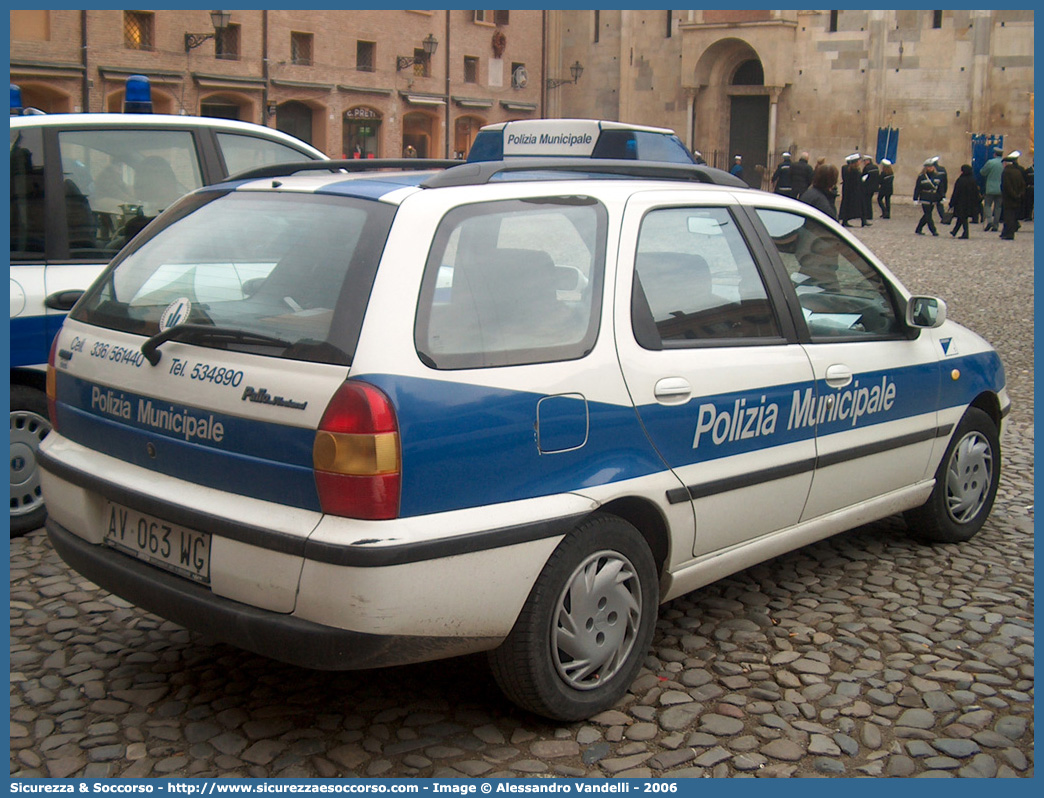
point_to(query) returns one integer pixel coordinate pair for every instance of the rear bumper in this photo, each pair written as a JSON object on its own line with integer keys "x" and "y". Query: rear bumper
{"x": 283, "y": 637}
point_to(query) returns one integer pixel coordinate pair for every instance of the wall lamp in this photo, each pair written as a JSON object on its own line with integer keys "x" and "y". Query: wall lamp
{"x": 430, "y": 43}
{"x": 576, "y": 70}
{"x": 219, "y": 19}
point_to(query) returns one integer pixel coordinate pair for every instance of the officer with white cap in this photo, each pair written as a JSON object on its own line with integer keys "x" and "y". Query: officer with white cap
{"x": 926, "y": 194}
{"x": 851, "y": 191}
{"x": 1013, "y": 191}
{"x": 737, "y": 167}
{"x": 781, "y": 178}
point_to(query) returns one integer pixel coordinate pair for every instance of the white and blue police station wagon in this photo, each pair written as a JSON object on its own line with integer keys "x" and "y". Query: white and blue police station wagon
{"x": 82, "y": 185}
{"x": 356, "y": 420}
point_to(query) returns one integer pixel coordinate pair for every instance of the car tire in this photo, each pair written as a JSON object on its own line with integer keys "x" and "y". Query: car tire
{"x": 965, "y": 484}
{"x": 596, "y": 602}
{"x": 29, "y": 426}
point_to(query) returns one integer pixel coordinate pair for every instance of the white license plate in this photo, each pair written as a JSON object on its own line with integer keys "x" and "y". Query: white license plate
{"x": 186, "y": 552}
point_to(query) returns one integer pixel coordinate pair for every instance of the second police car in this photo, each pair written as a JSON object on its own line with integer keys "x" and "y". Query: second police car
{"x": 82, "y": 185}
{"x": 358, "y": 420}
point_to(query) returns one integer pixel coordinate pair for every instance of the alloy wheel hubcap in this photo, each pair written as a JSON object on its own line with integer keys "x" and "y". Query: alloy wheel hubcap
{"x": 596, "y": 620}
{"x": 969, "y": 477}
{"x": 27, "y": 430}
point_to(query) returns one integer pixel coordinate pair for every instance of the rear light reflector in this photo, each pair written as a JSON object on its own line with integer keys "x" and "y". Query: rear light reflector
{"x": 356, "y": 454}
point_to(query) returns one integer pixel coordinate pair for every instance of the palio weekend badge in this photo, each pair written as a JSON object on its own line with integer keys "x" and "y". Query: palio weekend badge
{"x": 175, "y": 313}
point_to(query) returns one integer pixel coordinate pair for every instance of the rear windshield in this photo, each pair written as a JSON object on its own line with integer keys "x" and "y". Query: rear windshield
{"x": 292, "y": 267}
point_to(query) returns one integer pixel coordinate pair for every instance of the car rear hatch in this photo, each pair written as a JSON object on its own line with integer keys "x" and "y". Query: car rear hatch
{"x": 197, "y": 370}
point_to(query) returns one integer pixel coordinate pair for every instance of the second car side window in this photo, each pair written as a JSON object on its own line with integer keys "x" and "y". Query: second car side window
{"x": 247, "y": 152}
{"x": 842, "y": 296}
{"x": 696, "y": 281}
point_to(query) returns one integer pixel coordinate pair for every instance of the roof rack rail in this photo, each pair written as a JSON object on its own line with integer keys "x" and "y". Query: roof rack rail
{"x": 479, "y": 172}
{"x": 350, "y": 165}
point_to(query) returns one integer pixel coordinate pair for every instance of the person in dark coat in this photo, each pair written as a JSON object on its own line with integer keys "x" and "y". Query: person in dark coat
{"x": 871, "y": 180}
{"x": 851, "y": 191}
{"x": 965, "y": 200}
{"x": 822, "y": 194}
{"x": 800, "y": 176}
{"x": 781, "y": 178}
{"x": 1013, "y": 190}
{"x": 926, "y": 194}
{"x": 885, "y": 189}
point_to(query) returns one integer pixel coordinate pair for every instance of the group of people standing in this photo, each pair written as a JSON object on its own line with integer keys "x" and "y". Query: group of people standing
{"x": 1007, "y": 197}
{"x": 861, "y": 181}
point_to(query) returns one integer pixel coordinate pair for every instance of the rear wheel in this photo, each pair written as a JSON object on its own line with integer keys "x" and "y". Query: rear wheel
{"x": 586, "y": 627}
{"x": 29, "y": 426}
{"x": 965, "y": 484}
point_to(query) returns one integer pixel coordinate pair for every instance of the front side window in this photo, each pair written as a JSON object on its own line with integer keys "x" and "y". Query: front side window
{"x": 514, "y": 282}
{"x": 116, "y": 181}
{"x": 696, "y": 282}
{"x": 28, "y": 213}
{"x": 842, "y": 295}
{"x": 295, "y": 268}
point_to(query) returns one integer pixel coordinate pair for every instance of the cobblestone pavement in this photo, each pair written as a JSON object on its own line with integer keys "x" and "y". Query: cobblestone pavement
{"x": 864, "y": 655}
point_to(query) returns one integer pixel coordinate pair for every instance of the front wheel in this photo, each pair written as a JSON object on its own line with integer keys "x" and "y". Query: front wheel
{"x": 586, "y": 627}
{"x": 965, "y": 484}
{"x": 29, "y": 426}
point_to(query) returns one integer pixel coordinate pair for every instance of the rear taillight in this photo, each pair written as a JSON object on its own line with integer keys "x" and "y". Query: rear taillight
{"x": 51, "y": 391}
{"x": 356, "y": 454}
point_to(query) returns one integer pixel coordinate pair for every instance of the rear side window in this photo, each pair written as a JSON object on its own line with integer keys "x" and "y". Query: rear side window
{"x": 515, "y": 282}
{"x": 296, "y": 268}
{"x": 244, "y": 152}
{"x": 116, "y": 181}
{"x": 27, "y": 194}
{"x": 696, "y": 281}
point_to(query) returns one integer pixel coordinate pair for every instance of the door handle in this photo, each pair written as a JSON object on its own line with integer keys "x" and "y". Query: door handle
{"x": 672, "y": 391}
{"x": 838, "y": 376}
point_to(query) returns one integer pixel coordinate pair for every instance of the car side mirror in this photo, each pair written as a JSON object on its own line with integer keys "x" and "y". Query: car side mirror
{"x": 925, "y": 311}
{"x": 62, "y": 300}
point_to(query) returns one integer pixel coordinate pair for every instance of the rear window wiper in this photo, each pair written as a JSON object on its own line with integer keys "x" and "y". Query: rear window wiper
{"x": 206, "y": 333}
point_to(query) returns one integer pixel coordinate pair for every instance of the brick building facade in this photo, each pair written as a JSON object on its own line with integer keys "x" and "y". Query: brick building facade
{"x": 340, "y": 80}
{"x": 756, "y": 81}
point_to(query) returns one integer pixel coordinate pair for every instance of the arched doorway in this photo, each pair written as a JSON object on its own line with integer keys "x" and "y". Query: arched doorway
{"x": 295, "y": 118}
{"x": 418, "y": 135}
{"x": 749, "y": 121}
{"x": 360, "y": 133}
{"x": 732, "y": 107}
{"x": 464, "y": 130}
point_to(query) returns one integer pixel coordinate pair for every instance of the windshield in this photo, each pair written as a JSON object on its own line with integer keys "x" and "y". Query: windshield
{"x": 293, "y": 267}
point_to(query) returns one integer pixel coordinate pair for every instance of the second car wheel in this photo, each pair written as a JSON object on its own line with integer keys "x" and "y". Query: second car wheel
{"x": 965, "y": 484}
{"x": 29, "y": 426}
{"x": 586, "y": 627}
